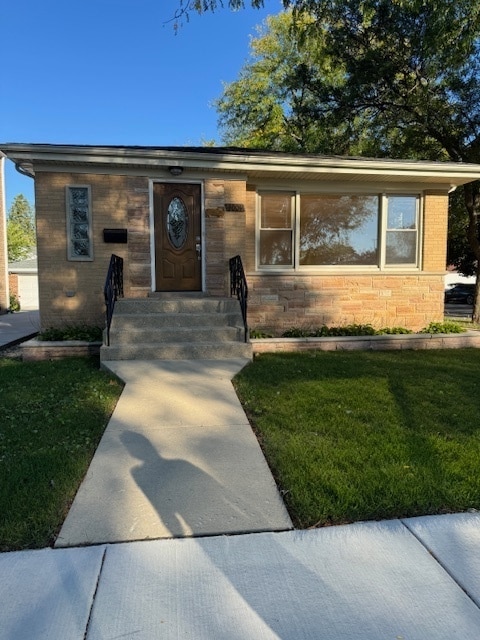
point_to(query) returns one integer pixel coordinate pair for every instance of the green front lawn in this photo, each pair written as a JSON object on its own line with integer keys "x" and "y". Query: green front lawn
{"x": 368, "y": 435}
{"x": 52, "y": 417}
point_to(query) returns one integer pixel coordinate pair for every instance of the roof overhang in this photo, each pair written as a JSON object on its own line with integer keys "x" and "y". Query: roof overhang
{"x": 32, "y": 158}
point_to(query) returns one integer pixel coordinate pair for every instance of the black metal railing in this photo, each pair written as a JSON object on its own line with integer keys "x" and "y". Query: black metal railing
{"x": 239, "y": 288}
{"x": 113, "y": 289}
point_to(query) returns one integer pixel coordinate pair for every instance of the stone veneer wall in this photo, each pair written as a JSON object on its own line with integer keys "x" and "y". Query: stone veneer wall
{"x": 277, "y": 303}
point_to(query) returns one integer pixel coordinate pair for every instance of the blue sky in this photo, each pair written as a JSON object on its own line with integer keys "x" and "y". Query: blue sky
{"x": 114, "y": 72}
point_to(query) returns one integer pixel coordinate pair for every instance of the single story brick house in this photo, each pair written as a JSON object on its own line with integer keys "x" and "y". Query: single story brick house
{"x": 323, "y": 240}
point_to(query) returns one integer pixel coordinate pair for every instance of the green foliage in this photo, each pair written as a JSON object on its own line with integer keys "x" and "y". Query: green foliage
{"x": 270, "y": 104}
{"x": 86, "y": 333}
{"x": 258, "y": 334}
{"x": 53, "y": 415}
{"x": 21, "y": 239}
{"x": 362, "y": 436}
{"x": 383, "y": 78}
{"x": 14, "y": 303}
{"x": 393, "y": 331}
{"x": 443, "y": 327}
{"x": 347, "y": 330}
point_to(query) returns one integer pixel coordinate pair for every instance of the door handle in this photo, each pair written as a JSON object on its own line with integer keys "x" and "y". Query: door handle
{"x": 198, "y": 248}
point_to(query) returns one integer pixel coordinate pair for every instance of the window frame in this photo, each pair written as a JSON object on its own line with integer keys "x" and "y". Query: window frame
{"x": 418, "y": 231}
{"x": 381, "y": 266}
{"x": 259, "y": 229}
{"x": 71, "y": 256}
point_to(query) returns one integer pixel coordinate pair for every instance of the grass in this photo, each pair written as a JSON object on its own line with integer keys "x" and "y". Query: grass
{"x": 53, "y": 415}
{"x": 368, "y": 435}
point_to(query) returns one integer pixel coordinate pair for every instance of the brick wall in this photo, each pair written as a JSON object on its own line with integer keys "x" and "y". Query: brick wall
{"x": 71, "y": 292}
{"x": 224, "y": 231}
{"x": 138, "y": 271}
{"x": 13, "y": 284}
{"x": 435, "y": 226}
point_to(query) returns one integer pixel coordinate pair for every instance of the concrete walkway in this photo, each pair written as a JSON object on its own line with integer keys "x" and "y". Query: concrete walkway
{"x": 178, "y": 458}
{"x": 16, "y": 327}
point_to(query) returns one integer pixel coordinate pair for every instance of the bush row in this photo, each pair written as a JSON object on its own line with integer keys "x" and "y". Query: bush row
{"x": 359, "y": 330}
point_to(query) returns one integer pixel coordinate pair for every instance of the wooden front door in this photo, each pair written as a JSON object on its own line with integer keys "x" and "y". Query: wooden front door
{"x": 178, "y": 243}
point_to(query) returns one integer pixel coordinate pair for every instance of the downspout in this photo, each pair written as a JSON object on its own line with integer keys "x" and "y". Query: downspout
{"x": 25, "y": 168}
{"x": 4, "y": 288}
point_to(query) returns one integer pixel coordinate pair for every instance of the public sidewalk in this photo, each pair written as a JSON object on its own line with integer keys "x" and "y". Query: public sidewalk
{"x": 16, "y": 327}
{"x": 416, "y": 579}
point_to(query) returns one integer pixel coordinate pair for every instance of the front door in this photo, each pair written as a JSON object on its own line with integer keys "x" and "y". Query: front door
{"x": 177, "y": 219}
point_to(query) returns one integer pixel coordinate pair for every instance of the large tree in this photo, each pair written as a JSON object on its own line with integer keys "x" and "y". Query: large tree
{"x": 21, "y": 240}
{"x": 396, "y": 77}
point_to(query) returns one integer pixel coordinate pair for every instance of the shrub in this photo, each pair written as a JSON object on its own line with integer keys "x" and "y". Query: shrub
{"x": 393, "y": 331}
{"x": 325, "y": 332}
{"x": 368, "y": 330}
{"x": 86, "y": 333}
{"x": 352, "y": 330}
{"x": 296, "y": 332}
{"x": 259, "y": 334}
{"x": 14, "y": 303}
{"x": 443, "y": 327}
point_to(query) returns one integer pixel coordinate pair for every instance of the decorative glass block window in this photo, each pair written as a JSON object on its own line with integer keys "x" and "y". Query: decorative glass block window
{"x": 79, "y": 223}
{"x": 276, "y": 229}
{"x": 401, "y": 234}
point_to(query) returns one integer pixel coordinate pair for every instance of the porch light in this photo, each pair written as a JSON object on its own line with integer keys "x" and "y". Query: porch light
{"x": 176, "y": 171}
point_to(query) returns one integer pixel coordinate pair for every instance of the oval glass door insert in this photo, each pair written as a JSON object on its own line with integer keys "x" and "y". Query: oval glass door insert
{"x": 177, "y": 222}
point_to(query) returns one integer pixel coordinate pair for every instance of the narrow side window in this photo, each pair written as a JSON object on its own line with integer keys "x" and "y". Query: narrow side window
{"x": 402, "y": 230}
{"x": 276, "y": 230}
{"x": 79, "y": 223}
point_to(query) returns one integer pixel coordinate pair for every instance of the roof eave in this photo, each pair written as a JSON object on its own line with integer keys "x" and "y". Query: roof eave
{"x": 26, "y": 156}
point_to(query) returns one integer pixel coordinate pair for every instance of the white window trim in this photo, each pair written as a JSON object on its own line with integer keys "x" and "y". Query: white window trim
{"x": 418, "y": 228}
{"x": 380, "y": 267}
{"x": 259, "y": 228}
{"x": 71, "y": 257}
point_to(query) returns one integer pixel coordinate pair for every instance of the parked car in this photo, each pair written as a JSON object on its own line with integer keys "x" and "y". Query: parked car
{"x": 461, "y": 292}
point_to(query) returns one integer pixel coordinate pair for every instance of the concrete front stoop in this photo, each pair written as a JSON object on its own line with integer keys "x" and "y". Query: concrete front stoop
{"x": 176, "y": 327}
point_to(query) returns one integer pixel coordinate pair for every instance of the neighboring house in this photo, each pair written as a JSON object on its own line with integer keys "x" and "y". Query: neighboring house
{"x": 23, "y": 282}
{"x": 323, "y": 240}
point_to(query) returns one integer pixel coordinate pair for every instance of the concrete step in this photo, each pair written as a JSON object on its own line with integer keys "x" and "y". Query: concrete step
{"x": 176, "y": 351}
{"x": 126, "y": 321}
{"x": 176, "y": 327}
{"x": 163, "y": 335}
{"x": 177, "y": 305}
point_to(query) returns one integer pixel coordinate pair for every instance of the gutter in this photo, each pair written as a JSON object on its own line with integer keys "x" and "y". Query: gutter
{"x": 26, "y": 155}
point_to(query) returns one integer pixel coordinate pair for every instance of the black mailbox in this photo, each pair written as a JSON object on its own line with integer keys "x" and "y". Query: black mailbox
{"x": 115, "y": 235}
